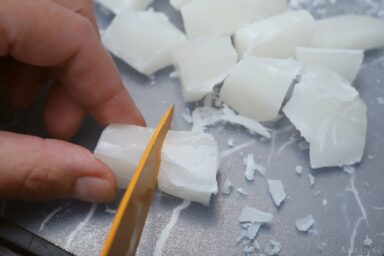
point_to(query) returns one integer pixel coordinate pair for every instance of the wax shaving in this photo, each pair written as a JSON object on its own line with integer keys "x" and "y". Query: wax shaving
{"x": 305, "y": 223}
{"x": 227, "y": 187}
{"x": 249, "y": 214}
{"x": 276, "y": 190}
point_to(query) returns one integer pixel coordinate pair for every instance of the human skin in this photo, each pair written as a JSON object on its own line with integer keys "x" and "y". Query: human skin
{"x": 58, "y": 40}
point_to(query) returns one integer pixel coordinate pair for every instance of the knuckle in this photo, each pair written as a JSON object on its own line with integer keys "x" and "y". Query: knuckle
{"x": 42, "y": 183}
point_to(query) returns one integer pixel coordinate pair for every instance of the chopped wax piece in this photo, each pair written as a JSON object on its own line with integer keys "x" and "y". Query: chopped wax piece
{"x": 249, "y": 167}
{"x": 252, "y": 230}
{"x": 202, "y": 64}
{"x": 242, "y": 236}
{"x": 117, "y": 6}
{"x": 260, "y": 101}
{"x": 303, "y": 145}
{"x": 175, "y": 74}
{"x": 311, "y": 179}
{"x": 230, "y": 143}
{"x": 349, "y": 169}
{"x": 276, "y": 190}
{"x": 252, "y": 166}
{"x": 274, "y": 249}
{"x": 206, "y": 116}
{"x": 249, "y": 214}
{"x": 223, "y": 17}
{"x": 256, "y": 244}
{"x": 268, "y": 8}
{"x": 334, "y": 114}
{"x": 248, "y": 249}
{"x": 368, "y": 241}
{"x": 349, "y": 32}
{"x": 252, "y": 125}
{"x": 178, "y": 4}
{"x": 144, "y": 40}
{"x": 305, "y": 223}
{"x": 242, "y": 192}
{"x": 299, "y": 169}
{"x": 277, "y": 36}
{"x": 189, "y": 165}
{"x": 344, "y": 62}
{"x": 217, "y": 17}
{"x": 227, "y": 187}
{"x": 245, "y": 225}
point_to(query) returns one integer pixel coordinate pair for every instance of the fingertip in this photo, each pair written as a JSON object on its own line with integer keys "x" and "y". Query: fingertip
{"x": 95, "y": 190}
{"x": 62, "y": 115}
{"x": 118, "y": 109}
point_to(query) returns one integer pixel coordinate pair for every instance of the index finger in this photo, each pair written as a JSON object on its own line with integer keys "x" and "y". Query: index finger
{"x": 43, "y": 33}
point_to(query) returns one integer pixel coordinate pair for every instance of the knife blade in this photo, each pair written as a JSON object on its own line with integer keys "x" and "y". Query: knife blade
{"x": 127, "y": 226}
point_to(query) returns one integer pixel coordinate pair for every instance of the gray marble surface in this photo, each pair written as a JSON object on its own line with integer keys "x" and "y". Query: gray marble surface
{"x": 346, "y": 208}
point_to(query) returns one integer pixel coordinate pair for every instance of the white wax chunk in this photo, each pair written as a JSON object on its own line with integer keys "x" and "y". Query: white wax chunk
{"x": 117, "y": 6}
{"x": 143, "y": 39}
{"x": 203, "y": 63}
{"x": 257, "y": 87}
{"x": 329, "y": 114}
{"x": 349, "y": 32}
{"x": 344, "y": 62}
{"x": 223, "y": 17}
{"x": 276, "y": 190}
{"x": 268, "y": 8}
{"x": 277, "y": 36}
{"x": 304, "y": 224}
{"x": 250, "y": 214}
{"x": 189, "y": 165}
{"x": 177, "y": 4}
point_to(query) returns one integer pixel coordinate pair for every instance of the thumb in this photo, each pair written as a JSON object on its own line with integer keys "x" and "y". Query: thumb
{"x": 41, "y": 169}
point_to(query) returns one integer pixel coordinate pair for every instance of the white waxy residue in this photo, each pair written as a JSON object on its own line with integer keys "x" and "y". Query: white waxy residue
{"x": 355, "y": 193}
{"x": 272, "y": 148}
{"x": 276, "y": 190}
{"x": 367, "y": 241}
{"x": 49, "y": 217}
{"x": 79, "y": 227}
{"x": 364, "y": 216}
{"x": 274, "y": 248}
{"x": 299, "y": 169}
{"x": 231, "y": 151}
{"x": 304, "y": 224}
{"x": 353, "y": 236}
{"x": 311, "y": 179}
{"x": 242, "y": 192}
{"x": 167, "y": 230}
{"x": 250, "y": 215}
{"x": 227, "y": 187}
{"x": 251, "y": 166}
{"x": 349, "y": 169}
{"x": 285, "y": 146}
{"x": 256, "y": 244}
{"x": 252, "y": 230}
{"x": 109, "y": 210}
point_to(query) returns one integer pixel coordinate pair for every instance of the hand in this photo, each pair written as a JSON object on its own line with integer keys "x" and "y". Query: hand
{"x": 59, "y": 40}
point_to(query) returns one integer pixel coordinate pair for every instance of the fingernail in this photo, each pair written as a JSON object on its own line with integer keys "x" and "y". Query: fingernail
{"x": 94, "y": 190}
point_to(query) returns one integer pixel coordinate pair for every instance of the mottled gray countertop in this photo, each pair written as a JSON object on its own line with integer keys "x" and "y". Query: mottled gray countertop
{"x": 346, "y": 208}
